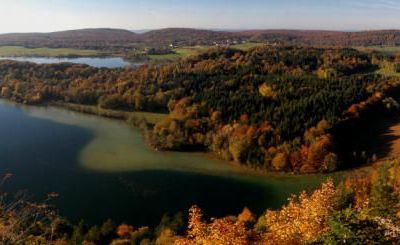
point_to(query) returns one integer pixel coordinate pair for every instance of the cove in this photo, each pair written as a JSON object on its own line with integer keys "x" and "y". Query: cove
{"x": 102, "y": 169}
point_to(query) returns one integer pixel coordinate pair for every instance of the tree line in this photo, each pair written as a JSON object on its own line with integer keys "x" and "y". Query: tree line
{"x": 270, "y": 107}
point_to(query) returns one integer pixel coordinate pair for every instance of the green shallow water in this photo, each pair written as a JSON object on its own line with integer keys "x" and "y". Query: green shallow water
{"x": 102, "y": 169}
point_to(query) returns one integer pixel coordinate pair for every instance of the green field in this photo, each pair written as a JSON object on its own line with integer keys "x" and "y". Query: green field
{"x": 247, "y": 46}
{"x": 382, "y": 49}
{"x": 7, "y": 51}
{"x": 188, "y": 51}
{"x": 388, "y": 73}
{"x": 178, "y": 53}
{"x": 150, "y": 117}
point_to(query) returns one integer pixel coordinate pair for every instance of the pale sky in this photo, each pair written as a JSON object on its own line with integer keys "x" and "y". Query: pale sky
{"x": 55, "y": 15}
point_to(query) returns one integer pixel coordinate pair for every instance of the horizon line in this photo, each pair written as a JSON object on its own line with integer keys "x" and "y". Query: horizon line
{"x": 144, "y": 30}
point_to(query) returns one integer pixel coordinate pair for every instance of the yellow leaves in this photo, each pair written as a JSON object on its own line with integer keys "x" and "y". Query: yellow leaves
{"x": 303, "y": 220}
{"x": 361, "y": 184}
{"x": 181, "y": 110}
{"x": 167, "y": 237}
{"x": 313, "y": 133}
{"x": 280, "y": 161}
{"x": 225, "y": 231}
{"x": 238, "y": 145}
{"x": 215, "y": 116}
{"x": 326, "y": 73}
{"x": 267, "y": 91}
{"x": 196, "y": 226}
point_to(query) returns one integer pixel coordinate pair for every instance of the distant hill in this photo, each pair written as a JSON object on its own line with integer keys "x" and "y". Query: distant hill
{"x": 96, "y": 38}
{"x": 188, "y": 36}
{"x": 73, "y": 38}
{"x": 361, "y": 38}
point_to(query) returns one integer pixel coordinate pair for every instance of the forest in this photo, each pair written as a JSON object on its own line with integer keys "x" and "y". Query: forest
{"x": 110, "y": 39}
{"x": 270, "y": 108}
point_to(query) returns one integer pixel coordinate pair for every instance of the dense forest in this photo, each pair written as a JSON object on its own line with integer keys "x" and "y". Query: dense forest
{"x": 108, "y": 38}
{"x": 362, "y": 209}
{"x": 273, "y": 108}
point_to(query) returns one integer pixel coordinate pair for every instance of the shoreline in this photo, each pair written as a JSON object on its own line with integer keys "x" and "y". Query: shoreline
{"x": 244, "y": 168}
{"x": 139, "y": 118}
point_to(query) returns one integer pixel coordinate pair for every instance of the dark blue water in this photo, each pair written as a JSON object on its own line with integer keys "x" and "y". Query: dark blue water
{"x": 53, "y": 150}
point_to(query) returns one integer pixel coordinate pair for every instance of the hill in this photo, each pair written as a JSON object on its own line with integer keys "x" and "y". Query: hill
{"x": 362, "y": 38}
{"x": 187, "y": 36}
{"x": 101, "y": 38}
{"x": 84, "y": 38}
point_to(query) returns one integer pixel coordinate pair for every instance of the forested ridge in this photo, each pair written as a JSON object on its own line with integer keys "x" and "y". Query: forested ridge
{"x": 271, "y": 107}
{"x": 104, "y": 38}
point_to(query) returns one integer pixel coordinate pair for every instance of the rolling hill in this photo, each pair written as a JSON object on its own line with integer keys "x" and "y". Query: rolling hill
{"x": 100, "y": 38}
{"x": 74, "y": 38}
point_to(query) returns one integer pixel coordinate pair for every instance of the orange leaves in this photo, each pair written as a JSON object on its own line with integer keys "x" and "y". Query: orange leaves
{"x": 361, "y": 184}
{"x": 315, "y": 154}
{"x": 279, "y": 162}
{"x": 196, "y": 226}
{"x": 353, "y": 109}
{"x": 225, "y": 231}
{"x": 124, "y": 231}
{"x": 52, "y": 195}
{"x": 302, "y": 220}
{"x": 180, "y": 111}
{"x": 246, "y": 216}
{"x": 6, "y": 92}
{"x": 215, "y": 116}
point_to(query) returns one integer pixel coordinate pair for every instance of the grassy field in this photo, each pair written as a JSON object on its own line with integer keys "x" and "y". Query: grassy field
{"x": 382, "y": 49}
{"x": 7, "y": 51}
{"x": 150, "y": 117}
{"x": 178, "y": 53}
{"x": 247, "y": 46}
{"x": 188, "y": 51}
{"x": 387, "y": 73}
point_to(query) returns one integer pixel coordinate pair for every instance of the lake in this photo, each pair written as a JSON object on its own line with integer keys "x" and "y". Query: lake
{"x": 106, "y": 62}
{"x": 102, "y": 169}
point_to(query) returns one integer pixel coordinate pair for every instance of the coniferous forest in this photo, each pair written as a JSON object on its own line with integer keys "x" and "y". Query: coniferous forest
{"x": 271, "y": 109}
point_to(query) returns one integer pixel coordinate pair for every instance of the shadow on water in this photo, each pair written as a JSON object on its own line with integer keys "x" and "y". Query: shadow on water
{"x": 141, "y": 198}
{"x": 44, "y": 156}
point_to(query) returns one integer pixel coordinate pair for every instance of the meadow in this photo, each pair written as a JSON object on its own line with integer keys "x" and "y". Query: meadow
{"x": 183, "y": 52}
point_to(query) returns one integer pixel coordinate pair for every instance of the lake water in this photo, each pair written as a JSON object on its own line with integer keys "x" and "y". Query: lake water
{"x": 107, "y": 62}
{"x": 102, "y": 169}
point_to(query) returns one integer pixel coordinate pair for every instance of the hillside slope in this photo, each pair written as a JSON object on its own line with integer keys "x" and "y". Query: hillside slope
{"x": 72, "y": 38}
{"x": 85, "y": 38}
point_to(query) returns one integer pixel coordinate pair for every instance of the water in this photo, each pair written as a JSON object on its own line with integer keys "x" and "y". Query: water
{"x": 102, "y": 169}
{"x": 108, "y": 62}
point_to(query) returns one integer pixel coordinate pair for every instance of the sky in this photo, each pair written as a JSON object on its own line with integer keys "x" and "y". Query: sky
{"x": 56, "y": 15}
